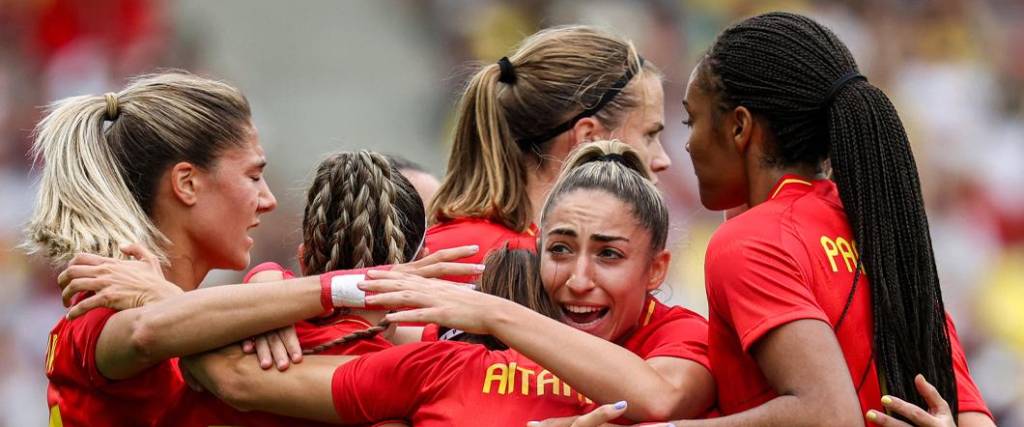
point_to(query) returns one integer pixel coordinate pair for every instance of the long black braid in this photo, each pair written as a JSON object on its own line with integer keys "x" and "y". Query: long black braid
{"x": 781, "y": 67}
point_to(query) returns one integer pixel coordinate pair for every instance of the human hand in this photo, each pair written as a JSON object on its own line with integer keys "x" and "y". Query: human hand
{"x": 279, "y": 347}
{"x": 600, "y": 417}
{"x": 115, "y": 283}
{"x": 450, "y": 304}
{"x": 937, "y": 415}
{"x": 442, "y": 263}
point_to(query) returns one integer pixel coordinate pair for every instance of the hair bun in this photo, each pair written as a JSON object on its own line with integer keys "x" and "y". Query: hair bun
{"x": 611, "y": 151}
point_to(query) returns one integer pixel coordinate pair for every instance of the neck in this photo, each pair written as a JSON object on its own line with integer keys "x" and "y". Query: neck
{"x": 184, "y": 271}
{"x": 183, "y": 268}
{"x": 761, "y": 180}
{"x": 539, "y": 181}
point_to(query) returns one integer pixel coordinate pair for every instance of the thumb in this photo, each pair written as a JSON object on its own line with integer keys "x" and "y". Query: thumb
{"x": 599, "y": 416}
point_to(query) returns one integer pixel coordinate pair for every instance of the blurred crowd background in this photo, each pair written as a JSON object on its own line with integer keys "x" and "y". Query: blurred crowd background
{"x": 384, "y": 75}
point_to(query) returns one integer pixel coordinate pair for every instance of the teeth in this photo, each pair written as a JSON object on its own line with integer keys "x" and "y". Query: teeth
{"x": 581, "y": 309}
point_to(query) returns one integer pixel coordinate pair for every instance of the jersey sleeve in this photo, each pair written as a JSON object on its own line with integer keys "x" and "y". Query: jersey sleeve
{"x": 968, "y": 394}
{"x": 268, "y": 266}
{"x": 83, "y": 335}
{"x": 756, "y": 286}
{"x": 684, "y": 336}
{"x": 392, "y": 383}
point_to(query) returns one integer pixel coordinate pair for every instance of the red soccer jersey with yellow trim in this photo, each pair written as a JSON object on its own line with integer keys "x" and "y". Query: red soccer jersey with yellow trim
{"x": 790, "y": 258}
{"x": 201, "y": 409}
{"x": 450, "y": 383}
{"x": 79, "y": 395}
{"x": 476, "y": 231}
{"x": 453, "y": 383}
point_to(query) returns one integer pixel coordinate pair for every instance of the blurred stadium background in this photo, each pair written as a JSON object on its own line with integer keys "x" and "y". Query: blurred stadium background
{"x": 384, "y": 75}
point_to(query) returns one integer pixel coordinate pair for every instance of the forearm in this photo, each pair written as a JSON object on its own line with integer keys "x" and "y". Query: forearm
{"x": 209, "y": 318}
{"x": 780, "y": 411}
{"x": 303, "y": 391}
{"x": 600, "y": 375}
{"x": 974, "y": 419}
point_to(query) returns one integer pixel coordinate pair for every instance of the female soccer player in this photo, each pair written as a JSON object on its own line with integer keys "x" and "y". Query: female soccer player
{"x": 622, "y": 257}
{"x": 360, "y": 212}
{"x": 599, "y": 266}
{"x": 171, "y": 161}
{"x": 823, "y": 293}
{"x": 519, "y": 119}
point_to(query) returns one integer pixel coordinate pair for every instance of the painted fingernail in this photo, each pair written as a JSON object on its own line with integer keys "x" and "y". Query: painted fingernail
{"x": 474, "y": 248}
{"x": 533, "y": 424}
{"x": 872, "y": 415}
{"x": 886, "y": 400}
{"x": 620, "y": 404}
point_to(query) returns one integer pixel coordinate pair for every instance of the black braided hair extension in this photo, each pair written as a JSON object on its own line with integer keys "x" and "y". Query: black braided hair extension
{"x": 781, "y": 67}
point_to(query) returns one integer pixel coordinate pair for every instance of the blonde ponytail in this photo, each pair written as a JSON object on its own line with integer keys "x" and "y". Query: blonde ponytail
{"x": 103, "y": 155}
{"x": 84, "y": 203}
{"x": 502, "y": 123}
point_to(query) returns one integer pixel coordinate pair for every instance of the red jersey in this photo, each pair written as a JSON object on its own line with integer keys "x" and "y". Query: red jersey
{"x": 669, "y": 332}
{"x": 790, "y": 258}
{"x": 476, "y": 231}
{"x": 79, "y": 395}
{"x": 450, "y": 383}
{"x": 453, "y": 383}
{"x": 201, "y": 409}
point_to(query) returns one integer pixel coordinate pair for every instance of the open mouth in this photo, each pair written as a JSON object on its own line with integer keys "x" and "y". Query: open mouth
{"x": 583, "y": 315}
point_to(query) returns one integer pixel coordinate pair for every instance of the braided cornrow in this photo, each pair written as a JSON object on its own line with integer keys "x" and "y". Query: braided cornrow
{"x": 355, "y": 195}
{"x": 781, "y": 66}
{"x": 355, "y": 336}
{"x": 395, "y": 239}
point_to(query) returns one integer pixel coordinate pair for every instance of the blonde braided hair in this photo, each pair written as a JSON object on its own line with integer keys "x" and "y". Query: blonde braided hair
{"x": 353, "y": 195}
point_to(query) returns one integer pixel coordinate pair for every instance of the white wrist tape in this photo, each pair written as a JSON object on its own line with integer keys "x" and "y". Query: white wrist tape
{"x": 346, "y": 293}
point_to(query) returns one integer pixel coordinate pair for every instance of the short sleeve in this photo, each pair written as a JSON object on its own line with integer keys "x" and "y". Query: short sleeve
{"x": 267, "y": 266}
{"x": 84, "y": 333}
{"x": 392, "y": 383}
{"x": 756, "y": 286}
{"x": 968, "y": 394}
{"x": 670, "y": 332}
{"x": 683, "y": 343}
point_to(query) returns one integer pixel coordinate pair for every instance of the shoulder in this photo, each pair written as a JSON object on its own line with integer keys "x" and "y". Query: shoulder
{"x": 89, "y": 324}
{"x": 476, "y": 231}
{"x": 757, "y": 234}
{"x": 470, "y": 227}
{"x": 669, "y": 331}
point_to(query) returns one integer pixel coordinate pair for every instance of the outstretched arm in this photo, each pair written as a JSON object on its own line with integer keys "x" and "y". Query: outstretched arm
{"x": 658, "y": 388}
{"x": 802, "y": 361}
{"x": 141, "y": 336}
{"x": 303, "y": 391}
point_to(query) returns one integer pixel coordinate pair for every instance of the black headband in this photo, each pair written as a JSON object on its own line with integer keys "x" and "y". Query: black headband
{"x": 607, "y": 97}
{"x": 839, "y": 84}
{"x": 508, "y": 73}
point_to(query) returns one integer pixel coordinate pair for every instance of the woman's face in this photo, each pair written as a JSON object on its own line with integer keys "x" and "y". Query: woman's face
{"x": 641, "y": 127}
{"x": 719, "y": 165}
{"x": 597, "y": 263}
{"x": 232, "y": 196}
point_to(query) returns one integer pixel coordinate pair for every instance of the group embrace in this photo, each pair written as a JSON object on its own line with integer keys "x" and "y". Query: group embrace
{"x": 522, "y": 291}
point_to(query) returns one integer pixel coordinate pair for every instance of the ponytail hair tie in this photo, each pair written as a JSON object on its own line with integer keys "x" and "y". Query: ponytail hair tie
{"x": 839, "y": 84}
{"x": 113, "y": 109}
{"x": 612, "y": 157}
{"x": 508, "y": 73}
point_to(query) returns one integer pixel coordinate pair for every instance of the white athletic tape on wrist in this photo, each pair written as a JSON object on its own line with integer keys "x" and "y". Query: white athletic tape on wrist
{"x": 345, "y": 291}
